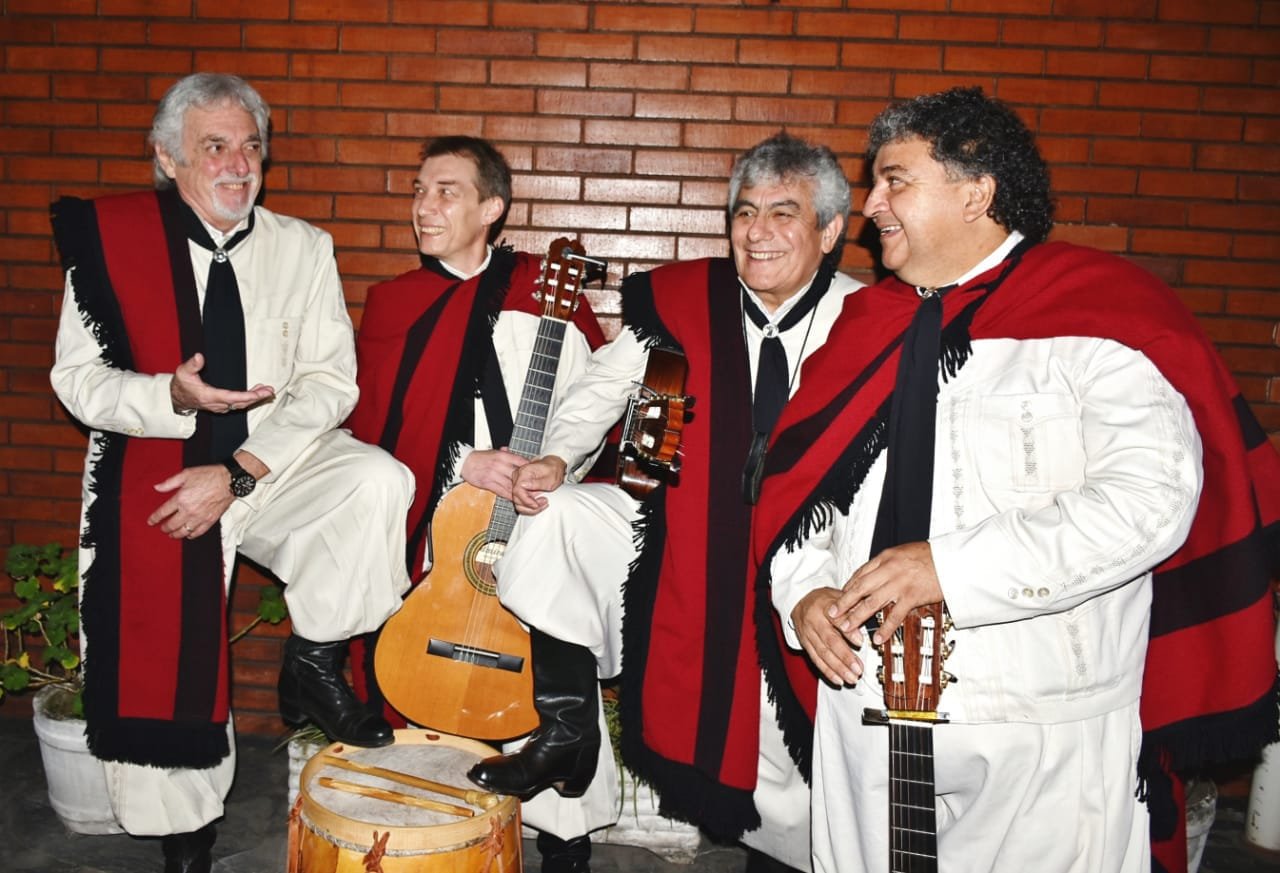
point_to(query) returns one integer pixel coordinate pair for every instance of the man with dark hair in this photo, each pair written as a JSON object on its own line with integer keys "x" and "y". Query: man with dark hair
{"x": 1038, "y": 437}
{"x": 699, "y": 724}
{"x": 206, "y": 344}
{"x": 443, "y": 353}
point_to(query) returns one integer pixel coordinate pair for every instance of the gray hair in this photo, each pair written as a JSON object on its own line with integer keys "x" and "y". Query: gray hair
{"x": 203, "y": 90}
{"x": 786, "y": 158}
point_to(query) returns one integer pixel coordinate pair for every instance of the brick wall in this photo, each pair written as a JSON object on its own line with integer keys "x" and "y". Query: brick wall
{"x": 1160, "y": 119}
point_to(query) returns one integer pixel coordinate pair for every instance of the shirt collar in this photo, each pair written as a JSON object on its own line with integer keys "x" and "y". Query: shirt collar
{"x": 784, "y": 307}
{"x": 484, "y": 265}
{"x": 1001, "y": 252}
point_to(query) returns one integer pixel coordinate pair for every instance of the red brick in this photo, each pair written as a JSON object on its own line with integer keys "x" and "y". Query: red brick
{"x": 1253, "y": 247}
{"x": 320, "y": 66}
{"x": 1104, "y": 9}
{"x": 688, "y": 248}
{"x": 1254, "y": 158}
{"x": 1220, "y": 11}
{"x": 1257, "y": 41}
{"x": 366, "y": 206}
{"x": 738, "y": 80}
{"x": 1091, "y": 180}
{"x": 639, "y": 133}
{"x": 740, "y": 21}
{"x": 157, "y": 8}
{"x": 131, "y": 143}
{"x": 366, "y": 95}
{"x": 783, "y": 111}
{"x": 679, "y": 48}
{"x": 1201, "y": 300}
{"x": 639, "y": 77}
{"x": 306, "y": 37}
{"x": 683, "y": 106}
{"x": 1198, "y": 68}
{"x": 92, "y": 32}
{"x": 98, "y": 87}
{"x": 1156, "y": 37}
{"x": 131, "y": 174}
{"x": 668, "y": 220}
{"x": 1139, "y": 153}
{"x": 538, "y": 130}
{"x": 586, "y": 103}
{"x": 24, "y": 85}
{"x": 41, "y": 7}
{"x": 1003, "y": 7}
{"x": 301, "y": 93}
{"x": 309, "y": 207}
{"x": 530, "y": 187}
{"x": 1248, "y": 100}
{"x": 44, "y": 485}
{"x": 541, "y": 16}
{"x": 556, "y": 73}
{"x": 1173, "y": 183}
{"x": 1087, "y": 121}
{"x": 1184, "y": 242}
{"x": 487, "y": 99}
{"x": 332, "y": 121}
{"x": 53, "y": 169}
{"x": 1250, "y": 359}
{"x": 424, "y": 69}
{"x": 643, "y": 20}
{"x": 1062, "y": 32}
{"x": 171, "y": 33}
{"x": 490, "y": 43}
{"x": 994, "y": 60}
{"x": 400, "y": 38}
{"x": 13, "y": 458}
{"x": 797, "y": 53}
{"x": 1041, "y": 92}
{"x": 254, "y": 66}
{"x": 360, "y": 236}
{"x": 850, "y": 25}
{"x": 1096, "y": 64}
{"x": 1257, "y": 187}
{"x": 470, "y": 14}
{"x": 734, "y": 137}
{"x": 173, "y": 61}
{"x": 629, "y": 190}
{"x": 1136, "y": 212}
{"x": 19, "y": 30}
{"x": 683, "y": 164}
{"x": 1234, "y": 274}
{"x": 583, "y": 161}
{"x": 1144, "y": 95}
{"x": 251, "y": 10}
{"x": 1238, "y": 331}
{"x": 379, "y": 264}
{"x": 297, "y": 149}
{"x": 424, "y": 126}
{"x": 341, "y": 10}
{"x": 1107, "y": 238}
{"x": 589, "y": 46}
{"x": 881, "y": 57}
{"x": 629, "y": 245}
{"x": 1266, "y": 72}
{"x": 1171, "y": 125}
{"x": 380, "y": 152}
{"x": 1236, "y": 215}
{"x": 49, "y": 435}
{"x": 578, "y": 215}
{"x": 830, "y": 82}
{"x": 1258, "y": 303}
{"x": 939, "y": 28}
{"x": 334, "y": 179}
{"x": 27, "y": 140}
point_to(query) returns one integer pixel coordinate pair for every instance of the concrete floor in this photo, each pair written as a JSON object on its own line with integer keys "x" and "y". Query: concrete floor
{"x": 251, "y": 839}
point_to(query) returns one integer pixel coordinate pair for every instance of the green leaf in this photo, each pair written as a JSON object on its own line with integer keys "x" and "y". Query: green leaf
{"x": 271, "y": 605}
{"x": 14, "y": 678}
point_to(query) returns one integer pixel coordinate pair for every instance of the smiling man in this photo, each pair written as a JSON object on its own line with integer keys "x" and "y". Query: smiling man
{"x": 205, "y": 343}
{"x": 1039, "y": 438}
{"x": 698, "y": 723}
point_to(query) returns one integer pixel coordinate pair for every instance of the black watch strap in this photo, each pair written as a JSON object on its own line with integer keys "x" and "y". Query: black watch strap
{"x": 242, "y": 481}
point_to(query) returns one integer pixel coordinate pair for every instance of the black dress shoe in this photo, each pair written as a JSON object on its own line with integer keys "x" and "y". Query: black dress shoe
{"x": 759, "y": 862}
{"x": 564, "y": 856}
{"x": 312, "y": 689}
{"x": 189, "y": 852}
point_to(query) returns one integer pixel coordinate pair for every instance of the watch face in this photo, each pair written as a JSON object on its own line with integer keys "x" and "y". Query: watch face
{"x": 242, "y": 484}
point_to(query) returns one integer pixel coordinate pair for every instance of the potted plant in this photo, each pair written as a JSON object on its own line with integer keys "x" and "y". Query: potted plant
{"x": 41, "y": 654}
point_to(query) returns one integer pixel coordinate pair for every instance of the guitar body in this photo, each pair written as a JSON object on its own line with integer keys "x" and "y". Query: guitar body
{"x": 453, "y": 658}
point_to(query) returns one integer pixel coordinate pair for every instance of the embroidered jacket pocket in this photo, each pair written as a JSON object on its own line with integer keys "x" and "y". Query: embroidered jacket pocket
{"x": 1030, "y": 442}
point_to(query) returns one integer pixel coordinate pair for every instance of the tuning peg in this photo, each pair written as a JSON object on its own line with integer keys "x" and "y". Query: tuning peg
{"x": 948, "y": 649}
{"x": 880, "y": 674}
{"x": 945, "y": 679}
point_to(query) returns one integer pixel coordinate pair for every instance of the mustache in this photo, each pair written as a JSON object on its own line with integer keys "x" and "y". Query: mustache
{"x": 233, "y": 179}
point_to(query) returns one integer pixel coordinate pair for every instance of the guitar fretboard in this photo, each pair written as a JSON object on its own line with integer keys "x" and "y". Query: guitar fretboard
{"x": 530, "y": 422}
{"x": 913, "y": 823}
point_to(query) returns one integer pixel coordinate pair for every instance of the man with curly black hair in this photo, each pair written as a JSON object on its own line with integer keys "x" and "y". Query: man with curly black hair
{"x": 1012, "y": 431}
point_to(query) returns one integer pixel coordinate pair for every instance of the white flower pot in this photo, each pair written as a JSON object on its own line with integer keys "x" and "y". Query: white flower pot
{"x": 77, "y": 780}
{"x": 640, "y": 825}
{"x": 300, "y": 752}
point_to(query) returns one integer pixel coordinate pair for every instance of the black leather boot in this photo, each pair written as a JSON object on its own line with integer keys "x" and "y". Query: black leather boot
{"x": 561, "y": 753}
{"x": 313, "y": 689}
{"x": 564, "y": 856}
{"x": 189, "y": 852}
{"x": 759, "y": 862}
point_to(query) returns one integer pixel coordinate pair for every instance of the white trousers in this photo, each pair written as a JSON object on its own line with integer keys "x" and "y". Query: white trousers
{"x": 331, "y": 527}
{"x": 563, "y": 573}
{"x": 1054, "y": 798}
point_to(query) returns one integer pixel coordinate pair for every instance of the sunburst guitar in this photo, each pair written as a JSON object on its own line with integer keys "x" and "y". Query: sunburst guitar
{"x": 453, "y": 658}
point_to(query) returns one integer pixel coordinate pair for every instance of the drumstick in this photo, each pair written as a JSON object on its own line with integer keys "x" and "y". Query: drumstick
{"x": 394, "y": 796}
{"x": 482, "y": 799}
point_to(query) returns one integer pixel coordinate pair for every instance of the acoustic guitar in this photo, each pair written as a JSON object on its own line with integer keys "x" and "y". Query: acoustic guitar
{"x": 913, "y": 678}
{"x": 649, "y": 450}
{"x": 453, "y": 658}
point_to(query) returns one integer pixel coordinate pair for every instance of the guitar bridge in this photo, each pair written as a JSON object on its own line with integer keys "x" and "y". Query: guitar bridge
{"x": 473, "y": 655}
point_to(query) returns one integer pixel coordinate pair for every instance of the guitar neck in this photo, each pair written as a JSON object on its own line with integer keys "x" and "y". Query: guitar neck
{"x": 913, "y": 822}
{"x": 530, "y": 422}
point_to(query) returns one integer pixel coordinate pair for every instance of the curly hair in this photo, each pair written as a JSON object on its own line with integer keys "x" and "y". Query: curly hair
{"x": 974, "y": 135}
{"x": 493, "y": 173}
{"x": 201, "y": 89}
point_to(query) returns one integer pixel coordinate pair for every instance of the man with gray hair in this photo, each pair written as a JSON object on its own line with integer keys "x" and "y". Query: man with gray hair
{"x": 206, "y": 345}
{"x": 699, "y": 724}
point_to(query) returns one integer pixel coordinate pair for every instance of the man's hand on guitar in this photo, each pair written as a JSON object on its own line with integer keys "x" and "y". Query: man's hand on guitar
{"x": 492, "y": 470}
{"x": 896, "y": 581}
{"x": 535, "y": 479}
{"x": 828, "y": 648}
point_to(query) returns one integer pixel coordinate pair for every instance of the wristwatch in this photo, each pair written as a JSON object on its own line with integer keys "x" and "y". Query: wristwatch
{"x": 242, "y": 481}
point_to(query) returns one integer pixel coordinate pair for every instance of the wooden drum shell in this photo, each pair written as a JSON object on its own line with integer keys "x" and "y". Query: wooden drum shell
{"x": 322, "y": 840}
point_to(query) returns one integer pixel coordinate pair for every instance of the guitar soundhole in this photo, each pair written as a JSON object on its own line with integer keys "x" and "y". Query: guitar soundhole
{"x": 478, "y": 560}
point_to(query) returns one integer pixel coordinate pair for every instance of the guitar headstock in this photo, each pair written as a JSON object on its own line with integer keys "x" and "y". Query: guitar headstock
{"x": 564, "y": 270}
{"x": 911, "y": 661}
